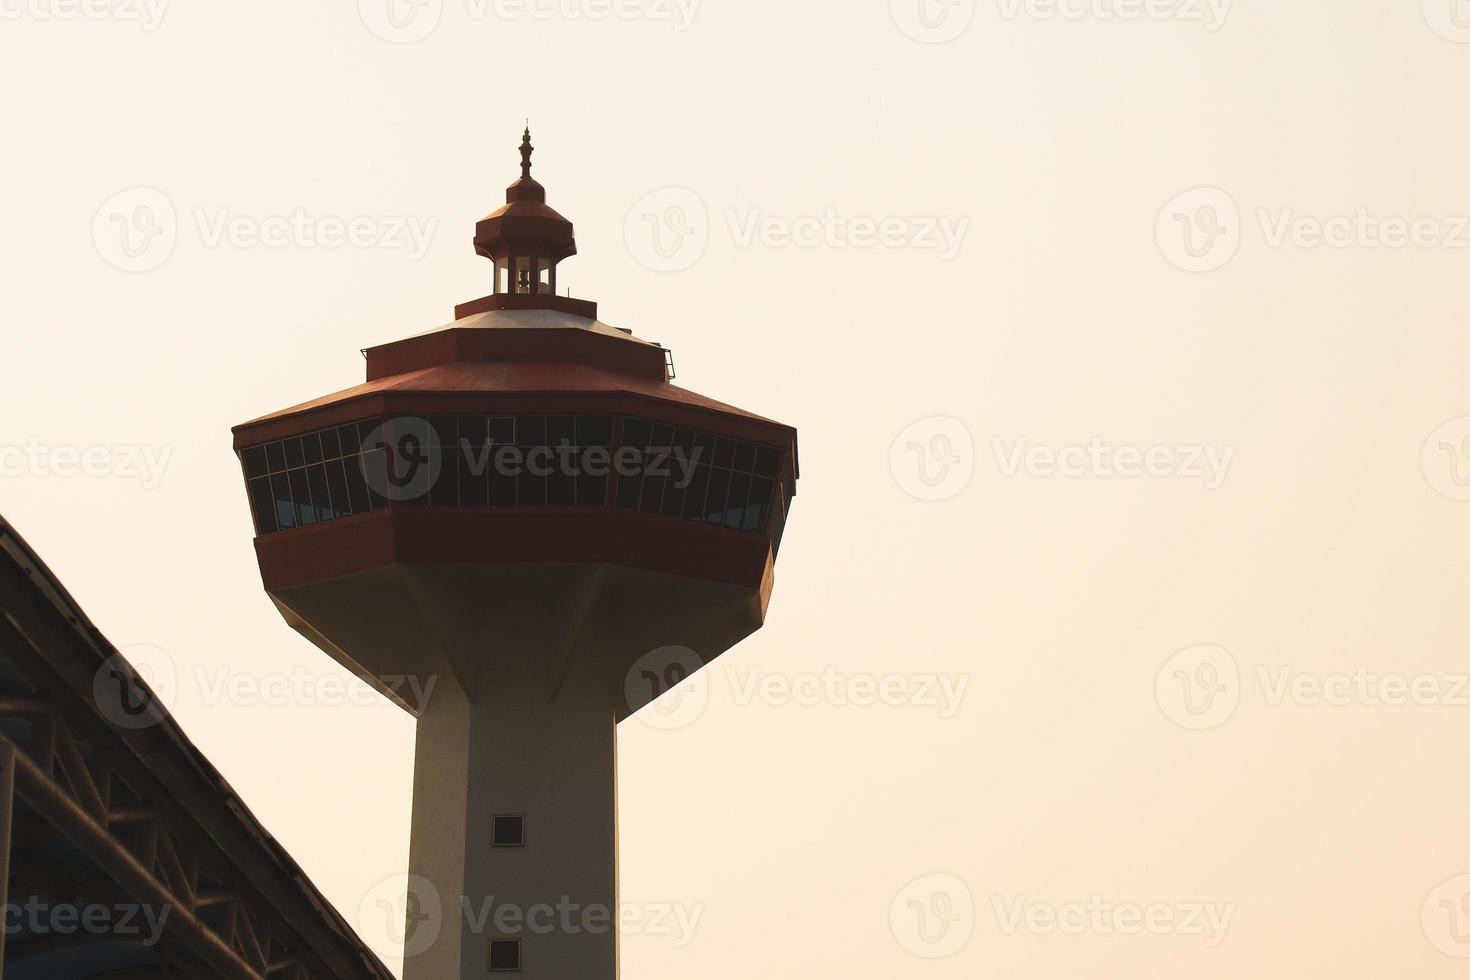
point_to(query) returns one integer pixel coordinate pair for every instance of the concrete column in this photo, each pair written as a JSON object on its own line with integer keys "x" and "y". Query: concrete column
{"x": 555, "y": 765}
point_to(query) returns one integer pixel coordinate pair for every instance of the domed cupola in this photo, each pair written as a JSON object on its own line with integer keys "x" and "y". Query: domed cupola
{"x": 525, "y": 238}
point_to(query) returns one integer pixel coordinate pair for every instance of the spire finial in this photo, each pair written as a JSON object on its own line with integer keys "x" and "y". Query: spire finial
{"x": 526, "y": 149}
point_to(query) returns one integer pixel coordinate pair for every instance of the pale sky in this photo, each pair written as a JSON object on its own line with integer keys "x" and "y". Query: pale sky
{"x": 1119, "y": 626}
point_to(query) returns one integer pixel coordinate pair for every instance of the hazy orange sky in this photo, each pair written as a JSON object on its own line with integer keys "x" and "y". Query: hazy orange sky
{"x": 1120, "y": 620}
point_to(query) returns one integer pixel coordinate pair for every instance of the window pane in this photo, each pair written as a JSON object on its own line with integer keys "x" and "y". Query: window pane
{"x": 674, "y": 493}
{"x": 503, "y": 430}
{"x": 302, "y": 493}
{"x": 374, "y": 470}
{"x": 262, "y": 504}
{"x": 704, "y": 448}
{"x": 294, "y": 457}
{"x": 724, "y": 452}
{"x": 445, "y": 490}
{"x": 337, "y": 488}
{"x": 714, "y": 504}
{"x": 281, "y": 492}
{"x": 474, "y": 475}
{"x": 630, "y": 480}
{"x": 531, "y": 430}
{"x": 760, "y": 499}
{"x": 594, "y": 430}
{"x": 653, "y": 492}
{"x": 275, "y": 457}
{"x": 351, "y": 441}
{"x": 472, "y": 429}
{"x": 636, "y": 432}
{"x": 591, "y": 491}
{"x": 694, "y": 496}
{"x": 331, "y": 445}
{"x": 311, "y": 445}
{"x": 255, "y": 464}
{"x": 562, "y": 490}
{"x": 561, "y": 429}
{"x": 744, "y": 456}
{"x": 735, "y": 505}
{"x": 357, "y": 491}
{"x": 502, "y": 489}
{"x": 445, "y": 430}
{"x": 316, "y": 476}
{"x": 531, "y": 491}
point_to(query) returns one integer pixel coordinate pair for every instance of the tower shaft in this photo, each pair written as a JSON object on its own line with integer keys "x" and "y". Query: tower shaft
{"x": 552, "y": 764}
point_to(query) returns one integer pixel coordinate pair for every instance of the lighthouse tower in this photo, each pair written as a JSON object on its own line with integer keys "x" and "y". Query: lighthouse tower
{"x": 520, "y": 531}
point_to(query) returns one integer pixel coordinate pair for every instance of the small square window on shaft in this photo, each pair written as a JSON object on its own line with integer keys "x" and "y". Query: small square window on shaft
{"x": 508, "y": 831}
{"x": 505, "y": 955}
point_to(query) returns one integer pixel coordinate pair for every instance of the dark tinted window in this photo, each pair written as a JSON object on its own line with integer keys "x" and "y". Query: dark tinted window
{"x": 511, "y": 461}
